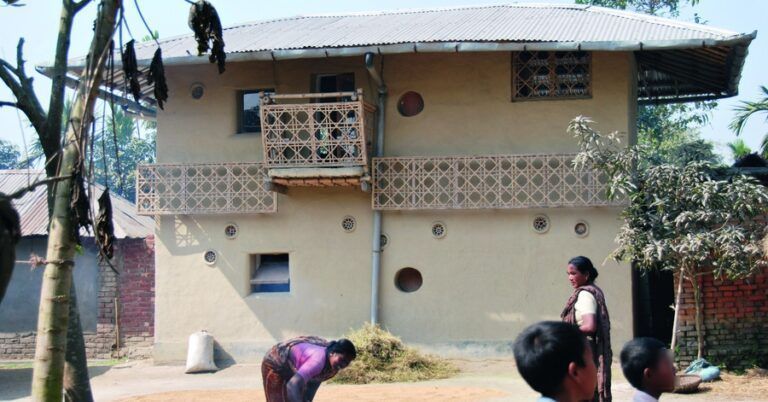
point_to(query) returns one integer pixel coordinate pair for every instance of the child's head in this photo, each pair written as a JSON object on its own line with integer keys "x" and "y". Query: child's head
{"x": 554, "y": 358}
{"x": 648, "y": 366}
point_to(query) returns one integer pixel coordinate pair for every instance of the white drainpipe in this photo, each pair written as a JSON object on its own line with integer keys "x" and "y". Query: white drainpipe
{"x": 378, "y": 150}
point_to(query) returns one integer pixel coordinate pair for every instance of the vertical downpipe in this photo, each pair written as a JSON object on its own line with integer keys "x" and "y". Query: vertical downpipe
{"x": 377, "y": 151}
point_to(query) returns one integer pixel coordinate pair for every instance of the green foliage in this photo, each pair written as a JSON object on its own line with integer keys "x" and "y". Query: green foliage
{"x": 745, "y": 110}
{"x": 739, "y": 149}
{"x": 9, "y": 155}
{"x": 382, "y": 357}
{"x": 680, "y": 217}
{"x": 120, "y": 171}
{"x": 653, "y": 7}
{"x": 671, "y": 134}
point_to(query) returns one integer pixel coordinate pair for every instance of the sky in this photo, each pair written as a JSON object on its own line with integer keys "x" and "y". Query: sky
{"x": 37, "y": 22}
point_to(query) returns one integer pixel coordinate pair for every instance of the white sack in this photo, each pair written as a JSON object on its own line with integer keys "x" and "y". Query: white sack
{"x": 200, "y": 353}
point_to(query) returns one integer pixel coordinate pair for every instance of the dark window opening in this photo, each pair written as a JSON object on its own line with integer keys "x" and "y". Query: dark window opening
{"x": 249, "y": 110}
{"x": 269, "y": 273}
{"x": 325, "y": 83}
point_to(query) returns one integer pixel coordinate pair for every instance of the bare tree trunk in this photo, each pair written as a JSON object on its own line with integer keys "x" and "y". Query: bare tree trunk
{"x": 77, "y": 385}
{"x": 47, "y": 379}
{"x": 676, "y": 320}
{"x": 697, "y": 304}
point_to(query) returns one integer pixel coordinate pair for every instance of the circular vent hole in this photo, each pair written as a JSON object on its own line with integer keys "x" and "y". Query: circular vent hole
{"x": 408, "y": 280}
{"x": 230, "y": 231}
{"x": 439, "y": 230}
{"x": 581, "y": 229}
{"x": 541, "y": 224}
{"x": 384, "y": 241}
{"x": 210, "y": 257}
{"x": 348, "y": 224}
{"x": 410, "y": 104}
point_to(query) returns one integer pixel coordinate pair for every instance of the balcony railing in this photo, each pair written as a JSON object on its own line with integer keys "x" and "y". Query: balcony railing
{"x": 485, "y": 182}
{"x": 317, "y": 134}
{"x": 207, "y": 188}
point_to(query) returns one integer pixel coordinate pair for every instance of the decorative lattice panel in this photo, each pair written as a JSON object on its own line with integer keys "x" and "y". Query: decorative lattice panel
{"x": 480, "y": 182}
{"x": 316, "y": 134}
{"x": 542, "y": 75}
{"x": 210, "y": 188}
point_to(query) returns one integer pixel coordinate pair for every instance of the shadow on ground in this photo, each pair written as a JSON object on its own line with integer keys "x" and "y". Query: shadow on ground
{"x": 17, "y": 383}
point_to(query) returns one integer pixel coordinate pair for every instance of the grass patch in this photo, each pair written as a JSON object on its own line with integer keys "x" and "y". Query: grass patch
{"x": 382, "y": 357}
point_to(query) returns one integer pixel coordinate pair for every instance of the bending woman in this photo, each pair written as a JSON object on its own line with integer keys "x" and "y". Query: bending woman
{"x": 293, "y": 370}
{"x": 586, "y": 309}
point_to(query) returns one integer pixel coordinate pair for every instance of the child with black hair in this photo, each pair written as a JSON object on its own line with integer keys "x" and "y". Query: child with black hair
{"x": 648, "y": 366}
{"x": 556, "y": 360}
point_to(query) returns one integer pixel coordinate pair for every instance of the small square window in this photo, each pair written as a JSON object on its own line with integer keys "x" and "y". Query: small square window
{"x": 249, "y": 110}
{"x": 269, "y": 273}
{"x": 551, "y": 75}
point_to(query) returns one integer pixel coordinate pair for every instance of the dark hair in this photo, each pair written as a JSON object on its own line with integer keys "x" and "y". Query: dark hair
{"x": 584, "y": 265}
{"x": 543, "y": 352}
{"x": 638, "y": 355}
{"x": 344, "y": 347}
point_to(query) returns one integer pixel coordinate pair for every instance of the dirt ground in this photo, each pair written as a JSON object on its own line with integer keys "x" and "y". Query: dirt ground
{"x": 480, "y": 380}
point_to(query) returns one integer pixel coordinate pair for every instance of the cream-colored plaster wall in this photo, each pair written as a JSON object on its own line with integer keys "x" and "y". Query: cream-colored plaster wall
{"x": 487, "y": 279}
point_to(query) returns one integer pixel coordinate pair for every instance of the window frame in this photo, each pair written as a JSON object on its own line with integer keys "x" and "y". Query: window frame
{"x": 273, "y": 288}
{"x": 551, "y": 65}
{"x": 241, "y": 93}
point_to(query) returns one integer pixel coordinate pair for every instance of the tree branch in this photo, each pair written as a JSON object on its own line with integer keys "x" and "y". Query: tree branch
{"x": 77, "y": 6}
{"x": 12, "y": 104}
{"x": 21, "y": 86}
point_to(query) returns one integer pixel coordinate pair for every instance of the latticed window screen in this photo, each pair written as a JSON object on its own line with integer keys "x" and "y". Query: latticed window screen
{"x": 545, "y": 75}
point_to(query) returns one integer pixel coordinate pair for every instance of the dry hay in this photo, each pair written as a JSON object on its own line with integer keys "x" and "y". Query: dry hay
{"x": 383, "y": 358}
{"x": 753, "y": 383}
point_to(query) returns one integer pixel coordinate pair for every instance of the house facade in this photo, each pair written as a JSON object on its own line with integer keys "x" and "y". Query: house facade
{"x": 410, "y": 168}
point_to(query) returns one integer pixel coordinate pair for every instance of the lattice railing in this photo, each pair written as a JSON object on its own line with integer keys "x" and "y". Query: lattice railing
{"x": 322, "y": 134}
{"x": 485, "y": 182}
{"x": 204, "y": 188}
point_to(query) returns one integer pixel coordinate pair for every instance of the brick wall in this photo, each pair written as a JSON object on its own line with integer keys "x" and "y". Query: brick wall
{"x": 134, "y": 291}
{"x": 735, "y": 321}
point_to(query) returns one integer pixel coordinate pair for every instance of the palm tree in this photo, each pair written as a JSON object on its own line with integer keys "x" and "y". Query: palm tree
{"x": 745, "y": 111}
{"x": 739, "y": 149}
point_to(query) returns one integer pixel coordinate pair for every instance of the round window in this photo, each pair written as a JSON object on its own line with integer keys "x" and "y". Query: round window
{"x": 197, "y": 90}
{"x": 384, "y": 241}
{"x": 230, "y": 231}
{"x": 540, "y": 224}
{"x": 581, "y": 229}
{"x": 410, "y": 104}
{"x": 439, "y": 230}
{"x": 348, "y": 224}
{"x": 408, "y": 280}
{"x": 210, "y": 257}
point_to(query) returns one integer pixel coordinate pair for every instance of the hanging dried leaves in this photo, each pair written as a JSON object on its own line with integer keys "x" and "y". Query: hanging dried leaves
{"x": 204, "y": 22}
{"x": 156, "y": 76}
{"x": 131, "y": 70}
{"x": 10, "y": 233}
{"x": 105, "y": 230}
{"x": 79, "y": 205}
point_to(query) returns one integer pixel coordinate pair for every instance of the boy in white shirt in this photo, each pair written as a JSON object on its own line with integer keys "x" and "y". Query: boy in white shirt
{"x": 648, "y": 366}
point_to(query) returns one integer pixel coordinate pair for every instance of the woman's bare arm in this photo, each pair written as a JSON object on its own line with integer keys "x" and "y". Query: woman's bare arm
{"x": 295, "y": 388}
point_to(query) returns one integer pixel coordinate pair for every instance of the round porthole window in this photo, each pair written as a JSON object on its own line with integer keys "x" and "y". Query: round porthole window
{"x": 197, "y": 90}
{"x": 410, "y": 104}
{"x": 210, "y": 257}
{"x": 230, "y": 231}
{"x": 540, "y": 224}
{"x": 348, "y": 224}
{"x": 384, "y": 241}
{"x": 439, "y": 230}
{"x": 408, "y": 280}
{"x": 581, "y": 229}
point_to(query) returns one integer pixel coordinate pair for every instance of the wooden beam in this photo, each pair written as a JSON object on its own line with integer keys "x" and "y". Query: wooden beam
{"x": 275, "y": 187}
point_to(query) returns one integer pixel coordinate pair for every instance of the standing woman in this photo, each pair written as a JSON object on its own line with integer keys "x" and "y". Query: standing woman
{"x": 293, "y": 370}
{"x": 586, "y": 309}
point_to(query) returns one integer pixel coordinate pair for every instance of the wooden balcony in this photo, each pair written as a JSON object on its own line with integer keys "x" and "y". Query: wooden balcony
{"x": 317, "y": 142}
{"x": 485, "y": 182}
{"x": 206, "y": 188}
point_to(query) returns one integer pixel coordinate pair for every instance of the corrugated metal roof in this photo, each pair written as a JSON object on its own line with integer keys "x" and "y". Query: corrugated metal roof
{"x": 494, "y": 24}
{"x": 33, "y": 207}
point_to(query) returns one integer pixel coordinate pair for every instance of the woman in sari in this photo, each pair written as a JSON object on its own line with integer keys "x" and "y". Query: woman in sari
{"x": 586, "y": 309}
{"x": 293, "y": 370}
